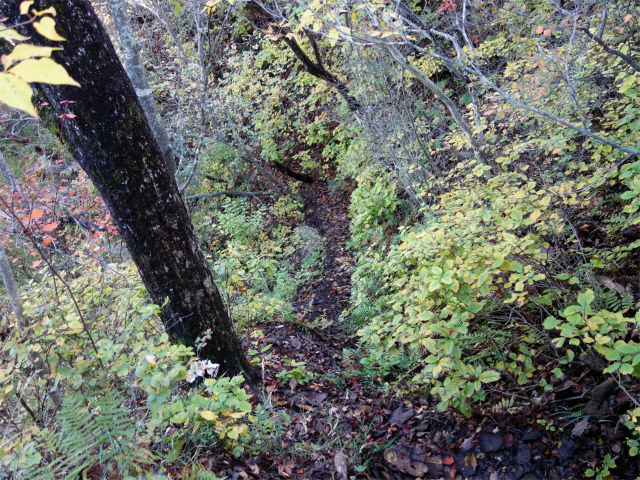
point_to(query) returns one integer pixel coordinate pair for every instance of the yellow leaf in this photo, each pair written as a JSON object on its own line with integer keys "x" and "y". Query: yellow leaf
{"x": 47, "y": 28}
{"x": 12, "y": 33}
{"x": 43, "y": 70}
{"x": 24, "y": 7}
{"x": 208, "y": 415}
{"x": 535, "y": 215}
{"x": 24, "y": 51}
{"x": 151, "y": 359}
{"x": 47, "y": 11}
{"x": 16, "y": 93}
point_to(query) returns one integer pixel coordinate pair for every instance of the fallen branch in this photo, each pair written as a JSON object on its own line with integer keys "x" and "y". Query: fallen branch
{"x": 228, "y": 193}
{"x": 301, "y": 177}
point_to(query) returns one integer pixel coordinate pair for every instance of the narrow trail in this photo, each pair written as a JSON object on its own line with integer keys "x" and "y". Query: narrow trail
{"x": 338, "y": 421}
{"x": 328, "y": 216}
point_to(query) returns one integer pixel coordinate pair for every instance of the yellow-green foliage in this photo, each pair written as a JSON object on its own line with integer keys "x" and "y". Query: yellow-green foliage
{"x": 99, "y": 346}
{"x": 257, "y": 261}
{"x": 461, "y": 296}
{"x": 481, "y": 247}
{"x": 276, "y": 108}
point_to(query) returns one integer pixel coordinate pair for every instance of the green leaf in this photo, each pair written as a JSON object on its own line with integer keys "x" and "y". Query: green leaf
{"x": 612, "y": 356}
{"x": 626, "y": 369}
{"x": 475, "y": 307}
{"x": 586, "y": 298}
{"x": 551, "y": 323}
{"x": 624, "y": 348}
{"x": 489, "y": 376}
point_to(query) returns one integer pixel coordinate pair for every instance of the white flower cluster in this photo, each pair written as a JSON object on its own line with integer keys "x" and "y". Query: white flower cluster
{"x": 199, "y": 367}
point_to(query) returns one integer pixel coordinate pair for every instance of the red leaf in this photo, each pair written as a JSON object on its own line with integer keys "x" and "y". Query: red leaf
{"x": 448, "y": 461}
{"x": 36, "y": 213}
{"x": 50, "y": 227}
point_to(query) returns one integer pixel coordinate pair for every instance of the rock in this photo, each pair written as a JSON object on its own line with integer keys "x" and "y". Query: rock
{"x": 295, "y": 343}
{"x": 529, "y": 476}
{"x": 490, "y": 442}
{"x": 342, "y": 465}
{"x": 401, "y": 460}
{"x": 531, "y": 434}
{"x": 316, "y": 398}
{"x": 524, "y": 454}
{"x": 434, "y": 465}
{"x": 565, "y": 449}
{"x": 399, "y": 416}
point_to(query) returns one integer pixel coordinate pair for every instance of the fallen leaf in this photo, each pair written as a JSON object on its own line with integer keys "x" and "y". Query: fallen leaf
{"x": 448, "y": 461}
{"x": 580, "y": 427}
{"x": 467, "y": 444}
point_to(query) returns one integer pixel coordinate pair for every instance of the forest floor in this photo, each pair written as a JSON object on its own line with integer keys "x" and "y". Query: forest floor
{"x": 337, "y": 421}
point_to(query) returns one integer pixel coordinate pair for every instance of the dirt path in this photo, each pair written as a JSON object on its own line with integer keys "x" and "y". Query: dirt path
{"x": 336, "y": 421}
{"x": 328, "y": 216}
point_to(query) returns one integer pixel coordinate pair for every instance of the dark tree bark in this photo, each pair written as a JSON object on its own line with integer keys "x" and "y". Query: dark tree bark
{"x": 112, "y": 141}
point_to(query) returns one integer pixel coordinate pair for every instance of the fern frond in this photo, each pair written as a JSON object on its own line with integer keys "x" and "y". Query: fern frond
{"x": 504, "y": 405}
{"x": 93, "y": 430}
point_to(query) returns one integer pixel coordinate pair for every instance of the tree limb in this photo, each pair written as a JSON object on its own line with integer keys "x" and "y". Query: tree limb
{"x": 633, "y": 64}
{"x": 228, "y": 193}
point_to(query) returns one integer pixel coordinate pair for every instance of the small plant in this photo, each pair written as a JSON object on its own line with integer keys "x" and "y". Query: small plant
{"x": 299, "y": 373}
{"x": 602, "y": 473}
{"x": 548, "y": 425}
{"x": 505, "y": 404}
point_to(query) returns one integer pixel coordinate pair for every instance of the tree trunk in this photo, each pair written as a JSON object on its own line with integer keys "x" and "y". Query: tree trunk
{"x": 138, "y": 75}
{"x": 112, "y": 141}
